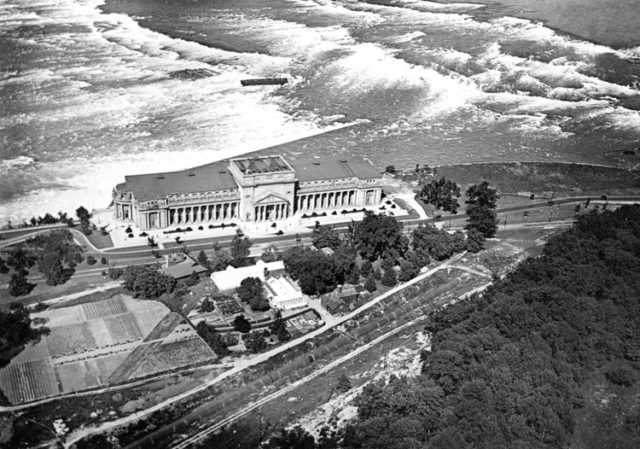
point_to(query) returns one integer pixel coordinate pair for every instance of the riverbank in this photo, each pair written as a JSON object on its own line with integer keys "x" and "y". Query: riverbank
{"x": 546, "y": 179}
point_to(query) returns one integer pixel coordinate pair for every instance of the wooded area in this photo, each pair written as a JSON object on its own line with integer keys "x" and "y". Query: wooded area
{"x": 516, "y": 367}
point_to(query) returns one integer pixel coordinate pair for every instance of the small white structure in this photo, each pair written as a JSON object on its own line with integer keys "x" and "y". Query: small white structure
{"x": 231, "y": 278}
{"x": 284, "y": 294}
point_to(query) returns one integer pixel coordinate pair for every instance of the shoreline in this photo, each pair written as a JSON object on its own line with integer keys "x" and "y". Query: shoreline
{"x": 496, "y": 165}
{"x": 509, "y": 10}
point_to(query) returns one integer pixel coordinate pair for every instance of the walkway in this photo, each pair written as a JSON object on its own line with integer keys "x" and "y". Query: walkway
{"x": 243, "y": 364}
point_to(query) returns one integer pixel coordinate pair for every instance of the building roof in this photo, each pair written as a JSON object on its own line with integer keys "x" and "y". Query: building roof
{"x": 216, "y": 175}
{"x": 183, "y": 269}
{"x": 232, "y": 277}
{"x": 281, "y": 287}
{"x": 325, "y": 169}
{"x": 264, "y": 164}
{"x": 205, "y": 178}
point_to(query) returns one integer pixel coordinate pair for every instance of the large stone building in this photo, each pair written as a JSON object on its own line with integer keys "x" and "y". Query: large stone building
{"x": 250, "y": 189}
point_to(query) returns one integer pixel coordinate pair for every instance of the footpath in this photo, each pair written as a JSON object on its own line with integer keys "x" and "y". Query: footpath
{"x": 243, "y": 364}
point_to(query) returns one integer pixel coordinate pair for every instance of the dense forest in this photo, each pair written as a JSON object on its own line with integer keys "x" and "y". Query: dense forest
{"x": 546, "y": 358}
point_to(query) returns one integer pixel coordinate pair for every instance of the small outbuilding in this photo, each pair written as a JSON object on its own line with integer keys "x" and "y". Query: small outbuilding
{"x": 183, "y": 269}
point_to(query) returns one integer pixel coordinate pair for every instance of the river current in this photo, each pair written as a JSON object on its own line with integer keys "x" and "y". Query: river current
{"x": 91, "y": 91}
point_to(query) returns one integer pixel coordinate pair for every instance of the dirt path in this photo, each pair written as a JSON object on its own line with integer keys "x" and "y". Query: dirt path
{"x": 289, "y": 388}
{"x": 243, "y": 364}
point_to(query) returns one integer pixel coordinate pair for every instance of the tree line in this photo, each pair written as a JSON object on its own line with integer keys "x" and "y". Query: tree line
{"x": 511, "y": 368}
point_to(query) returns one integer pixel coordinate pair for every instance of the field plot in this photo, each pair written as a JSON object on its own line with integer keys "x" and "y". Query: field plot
{"x": 227, "y": 305}
{"x": 78, "y": 376}
{"x": 27, "y": 381}
{"x": 302, "y": 324}
{"x": 164, "y": 357}
{"x": 71, "y": 339}
{"x": 101, "y": 309}
{"x": 101, "y": 343}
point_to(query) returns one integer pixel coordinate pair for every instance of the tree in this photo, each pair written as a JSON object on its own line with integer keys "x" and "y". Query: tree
{"x": 279, "y": 328}
{"x": 254, "y": 341}
{"x": 51, "y": 267}
{"x": 151, "y": 242}
{"x": 325, "y": 237}
{"x": 241, "y": 324}
{"x": 483, "y": 219}
{"x": 3, "y": 266}
{"x": 343, "y": 384}
{"x": 18, "y": 285}
{"x": 475, "y": 240}
{"x": 408, "y": 270}
{"x": 482, "y": 195}
{"x": 389, "y": 278}
{"x": 438, "y": 243}
{"x": 316, "y": 272}
{"x": 379, "y": 236}
{"x": 370, "y": 284}
{"x": 203, "y": 259}
{"x": 212, "y": 338}
{"x": 104, "y": 260}
{"x": 443, "y": 194}
{"x": 240, "y": 249}
{"x": 251, "y": 292}
{"x": 145, "y": 281}
{"x": 220, "y": 260}
{"x": 192, "y": 280}
{"x": 270, "y": 254}
{"x": 16, "y": 330}
{"x": 85, "y": 219}
{"x": 353, "y": 276}
{"x": 207, "y": 306}
{"x": 365, "y": 268}
{"x": 296, "y": 438}
{"x": 91, "y": 260}
{"x": 19, "y": 259}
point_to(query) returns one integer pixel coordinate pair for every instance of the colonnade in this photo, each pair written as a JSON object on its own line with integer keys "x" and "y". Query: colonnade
{"x": 203, "y": 214}
{"x": 271, "y": 212}
{"x": 327, "y": 200}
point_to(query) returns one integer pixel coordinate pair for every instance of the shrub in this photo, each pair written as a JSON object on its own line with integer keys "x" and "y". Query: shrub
{"x": 40, "y": 307}
{"x": 370, "y": 284}
{"x": 115, "y": 273}
{"x": 241, "y": 324}
{"x": 207, "y": 305}
{"x": 130, "y": 236}
{"x": 104, "y": 260}
{"x": 389, "y": 278}
{"x": 200, "y": 228}
{"x": 91, "y": 260}
{"x": 128, "y": 230}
